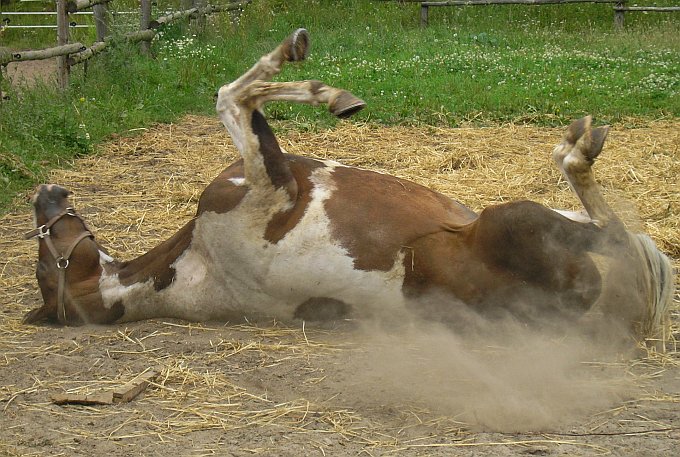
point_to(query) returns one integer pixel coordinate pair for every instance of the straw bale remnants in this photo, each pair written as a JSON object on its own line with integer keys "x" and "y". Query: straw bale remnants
{"x": 345, "y": 390}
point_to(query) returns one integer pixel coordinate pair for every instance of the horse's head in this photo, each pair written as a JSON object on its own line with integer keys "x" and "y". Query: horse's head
{"x": 69, "y": 265}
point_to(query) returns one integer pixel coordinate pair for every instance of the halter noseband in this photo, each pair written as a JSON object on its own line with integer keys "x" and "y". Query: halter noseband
{"x": 62, "y": 260}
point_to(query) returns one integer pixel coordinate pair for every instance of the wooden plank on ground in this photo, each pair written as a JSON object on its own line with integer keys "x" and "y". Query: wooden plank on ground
{"x": 131, "y": 389}
{"x": 102, "y": 398}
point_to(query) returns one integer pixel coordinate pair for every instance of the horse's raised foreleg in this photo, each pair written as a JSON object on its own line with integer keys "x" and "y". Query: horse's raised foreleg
{"x": 264, "y": 164}
{"x": 239, "y": 107}
{"x": 340, "y": 102}
{"x": 294, "y": 48}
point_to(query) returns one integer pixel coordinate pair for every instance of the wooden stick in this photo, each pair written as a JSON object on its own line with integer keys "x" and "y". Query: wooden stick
{"x": 171, "y": 17}
{"x": 145, "y": 19}
{"x": 86, "y": 53}
{"x": 657, "y": 9}
{"x": 103, "y": 398}
{"x": 193, "y": 12}
{"x": 96, "y": 48}
{"x": 101, "y": 20}
{"x": 424, "y": 14}
{"x": 130, "y": 390}
{"x": 2, "y": 94}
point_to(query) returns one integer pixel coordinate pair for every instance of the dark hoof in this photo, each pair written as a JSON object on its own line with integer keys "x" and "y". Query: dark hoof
{"x": 346, "y": 104}
{"x": 36, "y": 315}
{"x": 296, "y": 46}
{"x": 322, "y": 309}
{"x": 577, "y": 129}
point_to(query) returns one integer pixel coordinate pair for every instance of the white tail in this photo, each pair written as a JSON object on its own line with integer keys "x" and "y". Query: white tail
{"x": 658, "y": 276}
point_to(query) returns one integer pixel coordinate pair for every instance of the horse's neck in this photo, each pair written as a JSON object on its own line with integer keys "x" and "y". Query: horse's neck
{"x": 143, "y": 285}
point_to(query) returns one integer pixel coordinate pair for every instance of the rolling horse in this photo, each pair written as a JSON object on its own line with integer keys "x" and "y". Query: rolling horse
{"x": 290, "y": 237}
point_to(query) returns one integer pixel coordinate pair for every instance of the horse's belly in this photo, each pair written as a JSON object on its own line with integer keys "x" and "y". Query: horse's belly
{"x": 256, "y": 276}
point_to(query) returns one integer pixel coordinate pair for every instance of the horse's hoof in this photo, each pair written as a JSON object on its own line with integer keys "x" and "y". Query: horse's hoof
{"x": 296, "y": 46}
{"x": 345, "y": 104}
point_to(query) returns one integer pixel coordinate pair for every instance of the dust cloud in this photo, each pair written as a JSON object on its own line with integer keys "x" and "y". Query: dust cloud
{"x": 497, "y": 375}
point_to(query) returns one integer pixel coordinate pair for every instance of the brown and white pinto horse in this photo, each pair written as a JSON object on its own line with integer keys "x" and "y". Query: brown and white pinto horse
{"x": 290, "y": 237}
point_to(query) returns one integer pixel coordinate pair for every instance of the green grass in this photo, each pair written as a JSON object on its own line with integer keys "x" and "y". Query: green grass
{"x": 543, "y": 65}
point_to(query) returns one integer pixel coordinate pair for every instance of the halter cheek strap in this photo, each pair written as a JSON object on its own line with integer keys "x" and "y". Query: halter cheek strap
{"x": 62, "y": 260}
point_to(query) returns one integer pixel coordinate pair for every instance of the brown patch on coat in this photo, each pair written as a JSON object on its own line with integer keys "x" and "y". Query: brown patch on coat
{"x": 156, "y": 264}
{"x": 222, "y": 195}
{"x": 373, "y": 228}
{"x": 518, "y": 257}
{"x": 285, "y": 221}
{"x": 274, "y": 161}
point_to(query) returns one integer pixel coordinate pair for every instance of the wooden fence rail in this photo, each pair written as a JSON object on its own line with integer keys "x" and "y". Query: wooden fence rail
{"x": 7, "y": 55}
{"x": 619, "y": 6}
{"x": 69, "y": 54}
{"x": 146, "y": 35}
{"x": 78, "y": 5}
{"x": 658, "y": 9}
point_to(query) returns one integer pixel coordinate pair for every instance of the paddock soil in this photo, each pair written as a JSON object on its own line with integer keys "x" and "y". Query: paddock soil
{"x": 268, "y": 388}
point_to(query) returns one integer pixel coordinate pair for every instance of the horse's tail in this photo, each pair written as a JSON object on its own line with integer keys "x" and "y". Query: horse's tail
{"x": 658, "y": 279}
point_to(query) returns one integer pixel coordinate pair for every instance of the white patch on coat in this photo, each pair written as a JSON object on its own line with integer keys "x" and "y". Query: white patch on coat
{"x": 113, "y": 291}
{"x": 104, "y": 258}
{"x": 309, "y": 262}
{"x": 578, "y": 216}
{"x": 238, "y": 181}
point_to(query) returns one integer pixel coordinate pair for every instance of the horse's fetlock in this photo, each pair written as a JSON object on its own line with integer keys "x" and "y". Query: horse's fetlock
{"x": 315, "y": 86}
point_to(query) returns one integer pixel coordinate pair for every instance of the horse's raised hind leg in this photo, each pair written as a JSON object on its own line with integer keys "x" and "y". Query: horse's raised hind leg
{"x": 638, "y": 286}
{"x": 575, "y": 157}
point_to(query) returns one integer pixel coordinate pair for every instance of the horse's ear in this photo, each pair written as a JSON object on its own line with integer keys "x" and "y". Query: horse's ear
{"x": 64, "y": 192}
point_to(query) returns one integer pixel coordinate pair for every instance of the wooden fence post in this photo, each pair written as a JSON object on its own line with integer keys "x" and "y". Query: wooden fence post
{"x": 618, "y": 15}
{"x": 101, "y": 20}
{"x": 200, "y": 19}
{"x": 2, "y": 95}
{"x": 424, "y": 13}
{"x": 145, "y": 20}
{"x": 62, "y": 39}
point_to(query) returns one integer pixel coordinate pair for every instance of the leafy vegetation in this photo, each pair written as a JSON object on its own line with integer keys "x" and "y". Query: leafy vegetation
{"x": 484, "y": 65}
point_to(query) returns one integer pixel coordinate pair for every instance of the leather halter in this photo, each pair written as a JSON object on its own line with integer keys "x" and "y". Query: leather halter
{"x": 62, "y": 260}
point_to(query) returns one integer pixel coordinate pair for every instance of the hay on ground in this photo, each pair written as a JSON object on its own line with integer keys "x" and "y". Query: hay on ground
{"x": 138, "y": 190}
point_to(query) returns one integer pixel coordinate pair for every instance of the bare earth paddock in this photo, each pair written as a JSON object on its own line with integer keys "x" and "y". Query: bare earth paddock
{"x": 274, "y": 389}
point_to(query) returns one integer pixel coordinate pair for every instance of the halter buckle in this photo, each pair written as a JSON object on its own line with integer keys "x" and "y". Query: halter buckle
{"x": 42, "y": 231}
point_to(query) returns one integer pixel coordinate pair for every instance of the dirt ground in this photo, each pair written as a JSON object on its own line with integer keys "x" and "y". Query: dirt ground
{"x": 268, "y": 388}
{"x": 26, "y": 74}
